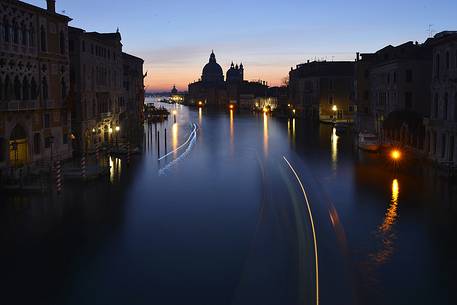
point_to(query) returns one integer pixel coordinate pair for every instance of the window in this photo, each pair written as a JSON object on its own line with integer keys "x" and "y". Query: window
{"x": 435, "y": 106}
{"x": 62, "y": 42}
{"x": 330, "y": 100}
{"x": 2, "y": 90}
{"x": 48, "y": 142}
{"x": 445, "y": 105}
{"x": 443, "y": 145}
{"x": 7, "y": 95}
{"x": 395, "y": 77}
{"x": 7, "y": 32}
{"x": 15, "y": 33}
{"x": 24, "y": 35}
{"x": 33, "y": 89}
{"x": 455, "y": 108}
{"x": 43, "y": 39}
{"x": 65, "y": 138}
{"x": 388, "y": 78}
{"x": 44, "y": 87}
{"x": 37, "y": 144}
{"x": 437, "y": 65}
{"x": 408, "y": 100}
{"x": 25, "y": 89}
{"x": 451, "y": 148}
{"x": 32, "y": 37}
{"x": 409, "y": 75}
{"x": 46, "y": 120}
{"x": 17, "y": 88}
{"x": 63, "y": 85}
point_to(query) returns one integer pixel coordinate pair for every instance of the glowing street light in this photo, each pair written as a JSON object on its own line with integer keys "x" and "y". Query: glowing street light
{"x": 334, "y": 108}
{"x": 395, "y": 155}
{"x": 118, "y": 128}
{"x": 231, "y": 106}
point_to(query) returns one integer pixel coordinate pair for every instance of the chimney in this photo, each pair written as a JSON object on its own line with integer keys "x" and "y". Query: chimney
{"x": 51, "y": 6}
{"x": 358, "y": 56}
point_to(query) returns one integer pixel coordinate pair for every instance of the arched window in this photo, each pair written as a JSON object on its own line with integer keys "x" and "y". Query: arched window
{"x": 63, "y": 85}
{"x": 31, "y": 36}
{"x": 44, "y": 88}
{"x": 2, "y": 90}
{"x": 435, "y": 106}
{"x": 455, "y": 107}
{"x": 448, "y": 60}
{"x": 62, "y": 42}
{"x": 7, "y": 32}
{"x": 17, "y": 88}
{"x": 43, "y": 38}
{"x": 7, "y": 85}
{"x": 15, "y": 33}
{"x": 445, "y": 105}
{"x": 24, "y": 35}
{"x": 33, "y": 89}
{"x": 437, "y": 65}
{"x": 25, "y": 89}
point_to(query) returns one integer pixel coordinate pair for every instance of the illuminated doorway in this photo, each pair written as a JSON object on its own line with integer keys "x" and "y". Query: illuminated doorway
{"x": 18, "y": 147}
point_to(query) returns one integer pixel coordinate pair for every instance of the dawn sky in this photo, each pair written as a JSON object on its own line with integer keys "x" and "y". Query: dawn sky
{"x": 175, "y": 38}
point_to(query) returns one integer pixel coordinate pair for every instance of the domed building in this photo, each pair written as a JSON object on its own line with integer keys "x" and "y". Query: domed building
{"x": 212, "y": 72}
{"x": 235, "y": 74}
{"x": 212, "y": 90}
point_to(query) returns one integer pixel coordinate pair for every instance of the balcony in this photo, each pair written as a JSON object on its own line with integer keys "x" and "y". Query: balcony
{"x": 19, "y": 105}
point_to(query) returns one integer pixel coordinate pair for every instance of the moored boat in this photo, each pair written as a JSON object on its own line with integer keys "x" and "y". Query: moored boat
{"x": 368, "y": 142}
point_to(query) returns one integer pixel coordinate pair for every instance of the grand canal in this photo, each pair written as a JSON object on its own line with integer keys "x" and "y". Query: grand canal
{"x": 222, "y": 219}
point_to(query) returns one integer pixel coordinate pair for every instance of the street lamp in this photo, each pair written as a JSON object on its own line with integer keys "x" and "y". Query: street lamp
{"x": 395, "y": 155}
{"x": 334, "y": 109}
{"x": 117, "y": 134}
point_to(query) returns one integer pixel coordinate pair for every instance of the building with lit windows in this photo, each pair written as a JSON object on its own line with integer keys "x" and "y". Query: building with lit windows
{"x": 34, "y": 84}
{"x": 323, "y": 90}
{"x": 96, "y": 65}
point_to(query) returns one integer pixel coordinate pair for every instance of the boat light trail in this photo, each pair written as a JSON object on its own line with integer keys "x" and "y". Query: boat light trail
{"x": 184, "y": 144}
{"x": 312, "y": 228}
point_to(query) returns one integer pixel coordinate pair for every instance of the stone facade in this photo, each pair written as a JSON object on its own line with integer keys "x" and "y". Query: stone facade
{"x": 133, "y": 80}
{"x": 34, "y": 84}
{"x": 323, "y": 90}
{"x": 400, "y": 82}
{"x": 441, "y": 134}
{"x": 97, "y": 92}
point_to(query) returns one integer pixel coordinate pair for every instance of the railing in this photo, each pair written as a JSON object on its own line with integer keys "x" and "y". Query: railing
{"x": 19, "y": 105}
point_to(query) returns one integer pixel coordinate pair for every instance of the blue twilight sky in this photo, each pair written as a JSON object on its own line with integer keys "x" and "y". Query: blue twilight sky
{"x": 176, "y": 37}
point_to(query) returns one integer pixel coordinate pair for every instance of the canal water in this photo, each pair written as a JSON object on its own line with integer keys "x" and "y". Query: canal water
{"x": 221, "y": 219}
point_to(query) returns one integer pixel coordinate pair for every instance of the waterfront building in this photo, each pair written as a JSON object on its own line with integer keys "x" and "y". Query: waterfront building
{"x": 364, "y": 120}
{"x": 323, "y": 90}
{"x": 96, "y": 87}
{"x": 212, "y": 90}
{"x": 399, "y": 81}
{"x": 175, "y": 96}
{"x": 34, "y": 84}
{"x": 131, "y": 120}
{"x": 441, "y": 125}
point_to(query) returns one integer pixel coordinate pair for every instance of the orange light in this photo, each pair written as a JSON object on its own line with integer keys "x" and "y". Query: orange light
{"x": 265, "y": 109}
{"x": 395, "y": 154}
{"x": 231, "y": 106}
{"x": 200, "y": 103}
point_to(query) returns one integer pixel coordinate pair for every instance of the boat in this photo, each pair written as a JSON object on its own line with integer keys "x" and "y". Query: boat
{"x": 368, "y": 142}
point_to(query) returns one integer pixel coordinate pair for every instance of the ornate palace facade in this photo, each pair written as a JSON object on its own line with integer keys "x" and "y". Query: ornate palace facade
{"x": 34, "y": 84}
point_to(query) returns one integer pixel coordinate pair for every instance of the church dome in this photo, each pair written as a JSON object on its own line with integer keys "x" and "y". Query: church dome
{"x": 212, "y": 72}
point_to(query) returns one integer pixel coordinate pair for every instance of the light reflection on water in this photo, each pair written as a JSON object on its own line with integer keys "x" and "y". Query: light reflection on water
{"x": 334, "y": 148}
{"x": 174, "y": 138}
{"x": 115, "y": 169}
{"x": 265, "y": 134}
{"x": 385, "y": 231}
